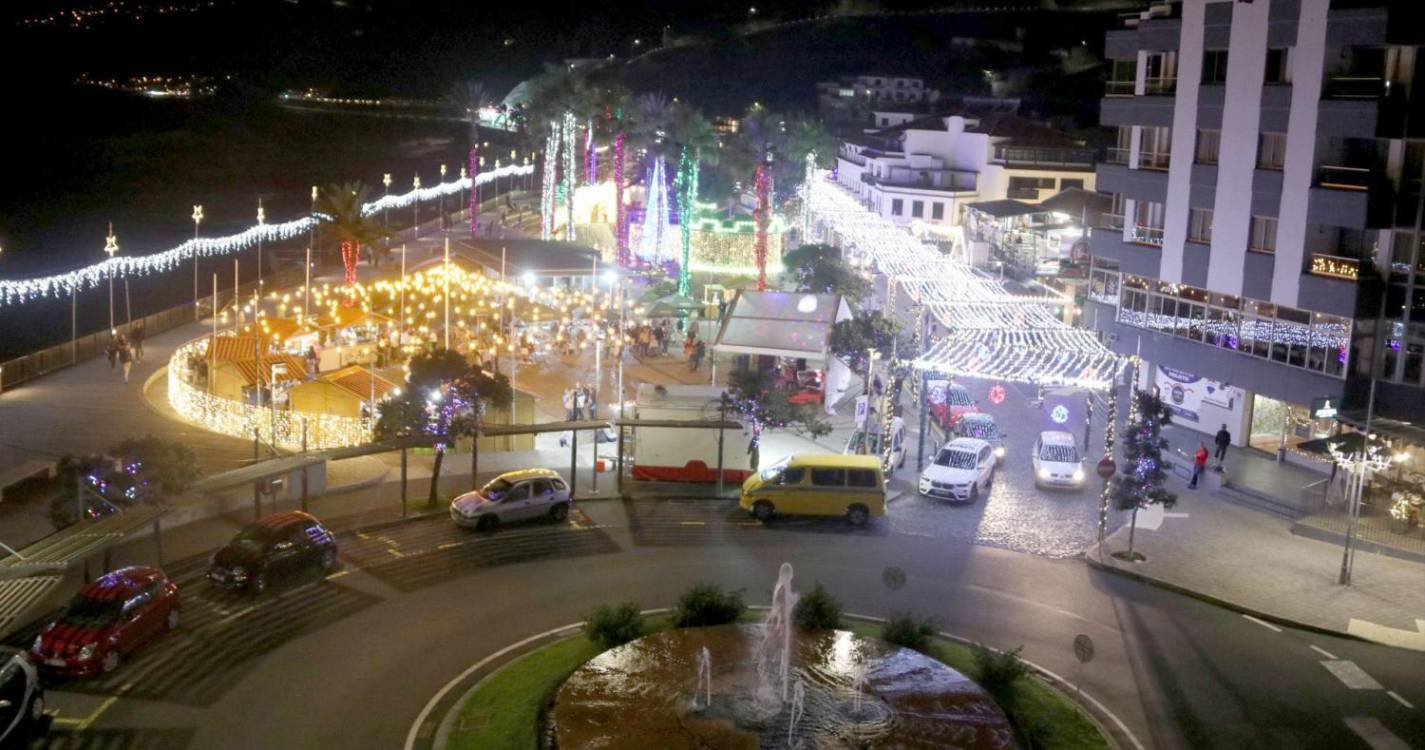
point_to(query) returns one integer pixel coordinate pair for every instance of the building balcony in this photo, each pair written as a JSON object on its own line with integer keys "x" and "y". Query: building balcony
{"x": 1145, "y": 235}
{"x": 1044, "y": 158}
{"x": 952, "y": 180}
{"x": 1119, "y": 88}
{"x": 1154, "y": 160}
{"x": 1115, "y": 155}
{"x": 1329, "y": 285}
{"x": 1351, "y": 197}
{"x": 1160, "y": 86}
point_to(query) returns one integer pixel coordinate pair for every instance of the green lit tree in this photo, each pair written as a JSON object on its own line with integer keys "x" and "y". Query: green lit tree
{"x": 819, "y": 269}
{"x": 1142, "y": 478}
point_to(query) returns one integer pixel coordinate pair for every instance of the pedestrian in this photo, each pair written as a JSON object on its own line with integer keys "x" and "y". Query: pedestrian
{"x": 138, "y": 342}
{"x": 699, "y": 351}
{"x": 1199, "y": 464}
{"x": 593, "y": 400}
{"x": 665, "y": 339}
{"x": 112, "y": 351}
{"x": 126, "y": 357}
{"x": 754, "y": 452}
{"x": 1223, "y": 439}
{"x": 721, "y": 307}
{"x": 568, "y": 405}
{"x": 658, "y": 339}
{"x": 581, "y": 400}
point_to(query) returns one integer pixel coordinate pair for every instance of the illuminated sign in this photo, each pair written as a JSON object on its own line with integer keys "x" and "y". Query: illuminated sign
{"x": 1335, "y": 267}
{"x": 1323, "y": 408}
{"x": 1059, "y": 414}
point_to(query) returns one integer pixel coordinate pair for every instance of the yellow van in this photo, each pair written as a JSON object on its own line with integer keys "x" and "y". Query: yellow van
{"x": 818, "y": 484}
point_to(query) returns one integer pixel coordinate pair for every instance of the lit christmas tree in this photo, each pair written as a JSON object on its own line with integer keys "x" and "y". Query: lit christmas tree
{"x": 1140, "y": 482}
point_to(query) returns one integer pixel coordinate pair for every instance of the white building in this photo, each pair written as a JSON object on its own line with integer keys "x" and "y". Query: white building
{"x": 923, "y": 171}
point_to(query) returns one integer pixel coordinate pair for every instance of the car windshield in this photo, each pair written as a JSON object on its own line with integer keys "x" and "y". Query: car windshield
{"x": 92, "y": 613}
{"x": 955, "y": 459}
{"x": 255, "y": 536}
{"x": 496, "y": 489}
{"x": 978, "y": 428}
{"x": 1064, "y": 454}
{"x": 771, "y": 473}
{"x": 958, "y": 397}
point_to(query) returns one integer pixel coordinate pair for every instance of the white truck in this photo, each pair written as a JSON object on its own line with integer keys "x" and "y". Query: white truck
{"x": 684, "y": 454}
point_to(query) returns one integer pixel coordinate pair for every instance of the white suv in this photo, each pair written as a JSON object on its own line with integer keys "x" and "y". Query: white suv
{"x": 961, "y": 470}
{"x": 1056, "y": 460}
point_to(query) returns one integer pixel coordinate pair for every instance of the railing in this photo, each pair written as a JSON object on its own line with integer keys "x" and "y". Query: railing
{"x": 1154, "y": 160}
{"x": 1115, "y": 155}
{"x": 1118, "y": 88}
{"x": 1355, "y": 87}
{"x": 1044, "y": 157}
{"x": 928, "y": 179}
{"x": 1160, "y": 86}
{"x": 1147, "y": 235}
{"x": 1345, "y": 178}
{"x": 1113, "y": 221}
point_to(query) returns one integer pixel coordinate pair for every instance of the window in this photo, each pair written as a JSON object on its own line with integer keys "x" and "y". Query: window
{"x": 1029, "y": 187}
{"x": 828, "y": 477}
{"x": 917, "y": 209}
{"x": 1209, "y": 142}
{"x": 1068, "y": 184}
{"x": 792, "y": 475}
{"x": 1264, "y": 234}
{"x": 541, "y": 487}
{"x": 1214, "y": 66}
{"x": 1200, "y": 225}
{"x": 1155, "y": 145}
{"x": 937, "y": 211}
{"x": 1271, "y": 150}
{"x": 897, "y": 206}
{"x": 861, "y": 478}
{"x": 885, "y": 121}
{"x": 1278, "y": 66}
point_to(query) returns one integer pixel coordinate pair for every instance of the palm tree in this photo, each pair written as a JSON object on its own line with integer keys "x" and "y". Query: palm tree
{"x": 340, "y": 206}
{"x": 468, "y": 98}
{"x": 694, "y": 136}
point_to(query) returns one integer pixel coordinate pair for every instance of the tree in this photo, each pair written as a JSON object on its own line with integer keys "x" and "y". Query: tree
{"x": 160, "y": 467}
{"x": 340, "y": 206}
{"x": 468, "y": 98}
{"x": 1140, "y": 482}
{"x": 755, "y": 397}
{"x": 851, "y": 338}
{"x": 444, "y": 399}
{"x": 138, "y": 469}
{"x": 819, "y": 269}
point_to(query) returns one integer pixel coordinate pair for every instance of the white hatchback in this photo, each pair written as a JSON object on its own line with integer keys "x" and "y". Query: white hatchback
{"x": 961, "y": 470}
{"x": 1056, "y": 460}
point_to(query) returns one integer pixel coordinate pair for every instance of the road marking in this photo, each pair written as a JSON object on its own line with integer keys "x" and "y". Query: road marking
{"x": 1374, "y": 733}
{"x": 1398, "y": 637}
{"x": 449, "y": 545}
{"x": 82, "y": 723}
{"x": 1351, "y": 675}
{"x": 694, "y": 523}
{"x": 1399, "y": 699}
{"x": 338, "y": 574}
{"x": 1323, "y": 652}
{"x": 396, "y": 552}
{"x": 1175, "y": 515}
{"x": 237, "y": 614}
{"x": 1264, "y": 624}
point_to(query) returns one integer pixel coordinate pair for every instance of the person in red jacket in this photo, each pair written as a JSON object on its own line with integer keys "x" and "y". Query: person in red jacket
{"x": 1199, "y": 464}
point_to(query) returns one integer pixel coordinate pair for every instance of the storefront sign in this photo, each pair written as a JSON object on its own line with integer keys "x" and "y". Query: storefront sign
{"x": 863, "y": 406}
{"x": 1324, "y": 408}
{"x": 1335, "y": 267}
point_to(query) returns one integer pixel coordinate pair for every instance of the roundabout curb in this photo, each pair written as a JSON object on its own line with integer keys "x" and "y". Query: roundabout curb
{"x": 429, "y": 731}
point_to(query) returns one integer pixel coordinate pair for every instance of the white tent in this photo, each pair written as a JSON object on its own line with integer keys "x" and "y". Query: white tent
{"x": 781, "y": 324}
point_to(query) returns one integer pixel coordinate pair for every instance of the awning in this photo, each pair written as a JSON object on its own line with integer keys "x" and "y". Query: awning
{"x": 1348, "y": 443}
{"x": 780, "y": 324}
{"x": 1004, "y": 209}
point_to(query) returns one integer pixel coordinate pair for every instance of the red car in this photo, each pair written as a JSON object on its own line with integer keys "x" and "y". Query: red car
{"x": 110, "y": 618}
{"x": 948, "y": 402}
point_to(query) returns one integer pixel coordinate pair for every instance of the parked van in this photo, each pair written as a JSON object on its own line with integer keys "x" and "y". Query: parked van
{"x": 818, "y": 484}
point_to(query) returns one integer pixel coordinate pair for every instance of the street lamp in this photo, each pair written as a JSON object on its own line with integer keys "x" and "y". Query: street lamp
{"x": 416, "y": 209}
{"x": 261, "y": 221}
{"x": 111, "y": 246}
{"x": 385, "y": 209}
{"x": 197, "y": 220}
{"x": 464, "y": 174}
{"x": 1358, "y": 467}
{"x": 441, "y": 197}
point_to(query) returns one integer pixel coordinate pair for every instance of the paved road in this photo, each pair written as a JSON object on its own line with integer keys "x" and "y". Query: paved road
{"x": 349, "y": 661}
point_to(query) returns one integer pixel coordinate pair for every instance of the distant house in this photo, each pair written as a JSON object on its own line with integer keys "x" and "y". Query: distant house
{"x": 844, "y": 99}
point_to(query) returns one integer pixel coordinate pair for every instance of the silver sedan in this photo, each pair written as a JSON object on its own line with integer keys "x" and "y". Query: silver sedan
{"x": 513, "y": 496}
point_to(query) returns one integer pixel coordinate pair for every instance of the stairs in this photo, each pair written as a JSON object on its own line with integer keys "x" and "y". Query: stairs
{"x": 1261, "y": 502}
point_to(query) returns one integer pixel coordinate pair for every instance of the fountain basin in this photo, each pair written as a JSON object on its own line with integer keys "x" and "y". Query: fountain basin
{"x": 645, "y": 694}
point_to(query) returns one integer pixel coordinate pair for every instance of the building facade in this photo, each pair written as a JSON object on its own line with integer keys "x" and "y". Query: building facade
{"x": 851, "y": 98}
{"x": 1265, "y": 233}
{"x": 923, "y": 172}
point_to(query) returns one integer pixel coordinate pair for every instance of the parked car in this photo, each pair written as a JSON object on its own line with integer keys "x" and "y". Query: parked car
{"x": 513, "y": 496}
{"x": 818, "y": 484}
{"x": 22, "y": 698}
{"x": 962, "y": 469}
{"x": 983, "y": 427}
{"x": 110, "y": 617}
{"x": 1056, "y": 460}
{"x": 862, "y": 442}
{"x": 272, "y": 548}
{"x": 949, "y": 402}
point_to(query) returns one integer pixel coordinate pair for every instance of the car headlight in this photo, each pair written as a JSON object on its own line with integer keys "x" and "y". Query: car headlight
{"x": 999, "y": 452}
{"x": 87, "y": 652}
{"x": 1078, "y": 475}
{"x": 239, "y": 573}
{"x": 1043, "y": 473}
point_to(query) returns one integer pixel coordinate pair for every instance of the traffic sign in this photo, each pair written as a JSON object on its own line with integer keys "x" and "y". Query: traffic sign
{"x": 1083, "y": 648}
{"x": 1106, "y": 468}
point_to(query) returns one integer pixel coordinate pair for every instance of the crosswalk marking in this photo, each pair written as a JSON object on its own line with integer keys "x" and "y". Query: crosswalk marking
{"x": 1375, "y": 734}
{"x": 1351, "y": 675}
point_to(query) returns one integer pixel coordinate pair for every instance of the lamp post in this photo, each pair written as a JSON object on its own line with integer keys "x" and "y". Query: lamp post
{"x": 416, "y": 209}
{"x": 261, "y": 221}
{"x": 464, "y": 174}
{"x": 441, "y": 197}
{"x": 1358, "y": 466}
{"x": 111, "y": 246}
{"x": 385, "y": 209}
{"x": 197, "y": 220}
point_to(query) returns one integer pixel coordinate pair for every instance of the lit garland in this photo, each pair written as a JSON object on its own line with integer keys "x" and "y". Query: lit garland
{"x": 992, "y": 333}
{"x": 474, "y": 169}
{"x": 571, "y": 146}
{"x": 763, "y": 215}
{"x": 805, "y": 190}
{"x": 655, "y": 213}
{"x": 686, "y": 186}
{"x": 546, "y": 194}
{"x": 620, "y": 219}
{"x": 591, "y": 156}
{"x": 119, "y": 267}
{"x": 1110, "y": 426}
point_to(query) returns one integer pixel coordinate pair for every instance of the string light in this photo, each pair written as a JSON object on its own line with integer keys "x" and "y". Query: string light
{"x": 570, "y": 147}
{"x": 655, "y": 214}
{"x": 763, "y": 215}
{"x": 19, "y": 291}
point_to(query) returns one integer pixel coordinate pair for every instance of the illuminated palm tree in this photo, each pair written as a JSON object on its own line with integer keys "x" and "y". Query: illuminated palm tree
{"x": 340, "y": 206}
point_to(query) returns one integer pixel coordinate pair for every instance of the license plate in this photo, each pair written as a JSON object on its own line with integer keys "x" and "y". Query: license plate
{"x": 54, "y": 662}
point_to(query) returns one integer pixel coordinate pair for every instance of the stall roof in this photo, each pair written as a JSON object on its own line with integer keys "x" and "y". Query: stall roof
{"x": 357, "y": 380}
{"x": 251, "y": 372}
{"x": 782, "y": 324}
{"x": 1004, "y": 209}
{"x": 1078, "y": 203}
{"x": 232, "y": 348}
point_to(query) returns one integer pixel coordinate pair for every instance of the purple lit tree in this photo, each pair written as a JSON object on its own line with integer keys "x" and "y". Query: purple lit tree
{"x": 1141, "y": 479}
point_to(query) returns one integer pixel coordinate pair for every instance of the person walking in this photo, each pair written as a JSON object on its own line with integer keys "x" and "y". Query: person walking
{"x": 592, "y": 400}
{"x": 1222, "y": 439}
{"x": 138, "y": 342}
{"x": 568, "y": 401}
{"x": 112, "y": 351}
{"x": 581, "y": 399}
{"x": 1199, "y": 464}
{"x": 126, "y": 357}
{"x": 659, "y": 337}
{"x": 699, "y": 351}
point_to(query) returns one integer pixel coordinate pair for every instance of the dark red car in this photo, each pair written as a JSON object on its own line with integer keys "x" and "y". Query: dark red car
{"x": 113, "y": 615}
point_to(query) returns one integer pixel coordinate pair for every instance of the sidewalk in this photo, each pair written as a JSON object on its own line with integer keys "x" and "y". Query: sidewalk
{"x": 1252, "y": 561}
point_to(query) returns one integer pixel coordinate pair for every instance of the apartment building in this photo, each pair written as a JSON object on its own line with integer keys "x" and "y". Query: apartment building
{"x": 1264, "y": 253}
{"x": 924, "y": 171}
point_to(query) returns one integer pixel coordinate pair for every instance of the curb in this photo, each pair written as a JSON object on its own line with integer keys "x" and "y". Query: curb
{"x": 1224, "y": 603}
{"x": 1115, "y": 735}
